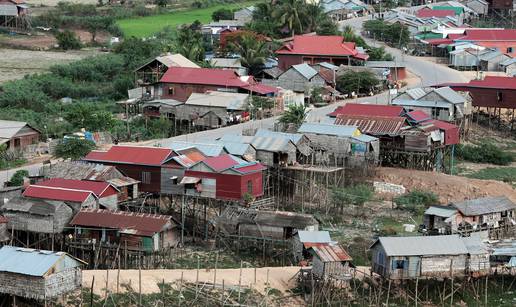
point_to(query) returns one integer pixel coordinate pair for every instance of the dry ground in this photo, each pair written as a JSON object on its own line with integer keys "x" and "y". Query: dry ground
{"x": 280, "y": 278}
{"x": 14, "y": 63}
{"x": 54, "y": 2}
{"x": 448, "y": 188}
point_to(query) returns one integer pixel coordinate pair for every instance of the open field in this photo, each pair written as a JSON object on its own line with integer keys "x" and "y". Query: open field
{"x": 146, "y": 26}
{"x": 15, "y": 63}
{"x": 54, "y": 2}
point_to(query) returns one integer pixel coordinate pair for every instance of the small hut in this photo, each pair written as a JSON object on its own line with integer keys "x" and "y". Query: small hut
{"x": 38, "y": 274}
{"x": 331, "y": 261}
{"x": 304, "y": 240}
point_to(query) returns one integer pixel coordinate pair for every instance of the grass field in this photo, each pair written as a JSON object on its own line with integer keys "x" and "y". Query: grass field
{"x": 146, "y": 26}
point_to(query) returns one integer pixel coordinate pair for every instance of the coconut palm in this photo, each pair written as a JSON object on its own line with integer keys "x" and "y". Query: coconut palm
{"x": 294, "y": 115}
{"x": 290, "y": 15}
{"x": 253, "y": 52}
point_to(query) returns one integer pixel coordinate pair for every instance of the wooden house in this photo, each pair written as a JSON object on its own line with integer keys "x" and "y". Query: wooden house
{"x": 438, "y": 219}
{"x": 36, "y": 215}
{"x": 127, "y": 187}
{"x": 137, "y": 231}
{"x": 340, "y": 144}
{"x": 303, "y": 240}
{"x": 17, "y": 135}
{"x": 84, "y": 193}
{"x": 153, "y": 70}
{"x": 331, "y": 262}
{"x": 149, "y": 165}
{"x": 419, "y": 257}
{"x": 300, "y": 78}
{"x": 271, "y": 151}
{"x": 483, "y": 213}
{"x": 313, "y": 49}
{"x": 4, "y": 233}
{"x": 209, "y": 148}
{"x": 302, "y": 143}
{"x": 14, "y": 15}
{"x": 224, "y": 177}
{"x": 277, "y": 225}
{"x": 38, "y": 274}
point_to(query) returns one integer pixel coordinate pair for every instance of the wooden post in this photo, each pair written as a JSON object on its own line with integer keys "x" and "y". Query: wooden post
{"x": 215, "y": 273}
{"x": 485, "y": 298}
{"x": 91, "y": 291}
{"x": 240, "y": 281}
{"x": 107, "y": 285}
{"x": 163, "y": 291}
{"x": 139, "y": 281}
{"x": 415, "y": 295}
{"x": 180, "y": 288}
{"x": 118, "y": 276}
{"x": 388, "y": 293}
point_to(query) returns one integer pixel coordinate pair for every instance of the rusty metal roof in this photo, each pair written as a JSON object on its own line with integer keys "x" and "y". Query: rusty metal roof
{"x": 374, "y": 125}
{"x": 331, "y": 253}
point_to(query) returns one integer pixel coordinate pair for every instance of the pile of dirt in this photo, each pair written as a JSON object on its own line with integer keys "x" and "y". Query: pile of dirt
{"x": 448, "y": 188}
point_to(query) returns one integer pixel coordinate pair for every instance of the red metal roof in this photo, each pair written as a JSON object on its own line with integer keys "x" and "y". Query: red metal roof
{"x": 260, "y": 88}
{"x": 319, "y": 45}
{"x": 205, "y": 76}
{"x": 3, "y": 219}
{"x": 428, "y": 12}
{"x": 96, "y": 187}
{"x": 331, "y": 253}
{"x": 53, "y": 193}
{"x": 189, "y": 156}
{"x": 368, "y": 110}
{"x": 246, "y": 169}
{"x": 488, "y": 35}
{"x": 493, "y": 82}
{"x": 374, "y": 125}
{"x": 139, "y": 155}
{"x": 141, "y": 224}
{"x": 418, "y": 116}
{"x": 443, "y": 125}
{"x": 439, "y": 41}
{"x": 220, "y": 163}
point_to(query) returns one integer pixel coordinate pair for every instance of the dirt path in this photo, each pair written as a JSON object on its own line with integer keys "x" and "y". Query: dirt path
{"x": 448, "y": 188}
{"x": 279, "y": 278}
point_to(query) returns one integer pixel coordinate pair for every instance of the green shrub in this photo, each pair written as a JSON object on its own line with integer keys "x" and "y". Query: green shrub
{"x": 17, "y": 178}
{"x": 484, "y": 153}
{"x": 416, "y": 201}
{"x": 73, "y": 148}
{"x": 67, "y": 40}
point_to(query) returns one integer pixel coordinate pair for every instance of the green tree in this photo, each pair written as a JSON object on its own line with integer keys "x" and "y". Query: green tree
{"x": 379, "y": 54}
{"x": 67, "y": 40}
{"x": 314, "y": 14}
{"x": 253, "y": 52}
{"x": 294, "y": 115}
{"x": 360, "y": 82}
{"x": 162, "y": 3}
{"x": 327, "y": 27}
{"x": 316, "y": 97}
{"x": 222, "y": 14}
{"x": 73, "y": 148}
{"x": 416, "y": 201}
{"x": 189, "y": 42}
{"x": 95, "y": 23}
{"x": 17, "y": 178}
{"x": 290, "y": 14}
{"x": 349, "y": 36}
{"x": 86, "y": 115}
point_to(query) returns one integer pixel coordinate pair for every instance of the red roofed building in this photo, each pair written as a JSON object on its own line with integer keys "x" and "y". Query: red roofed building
{"x": 137, "y": 231}
{"x": 368, "y": 110}
{"x": 180, "y": 82}
{"x": 501, "y": 39}
{"x": 313, "y": 49}
{"x": 429, "y": 13}
{"x": 105, "y": 193}
{"x": 152, "y": 166}
{"x": 76, "y": 199}
{"x": 373, "y": 125}
{"x": 224, "y": 177}
{"x": 491, "y": 92}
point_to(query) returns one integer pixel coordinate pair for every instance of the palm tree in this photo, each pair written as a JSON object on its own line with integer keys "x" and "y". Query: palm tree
{"x": 314, "y": 16}
{"x": 253, "y": 52}
{"x": 290, "y": 14}
{"x": 295, "y": 115}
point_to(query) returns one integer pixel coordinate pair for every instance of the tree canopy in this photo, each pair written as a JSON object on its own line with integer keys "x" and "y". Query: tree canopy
{"x": 359, "y": 82}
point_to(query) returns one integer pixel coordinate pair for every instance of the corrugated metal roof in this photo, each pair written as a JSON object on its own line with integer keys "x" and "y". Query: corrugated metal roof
{"x": 383, "y": 64}
{"x": 210, "y": 149}
{"x": 328, "y": 65}
{"x": 331, "y": 253}
{"x": 34, "y": 262}
{"x": 230, "y": 101}
{"x": 138, "y": 155}
{"x": 314, "y": 236}
{"x": 221, "y": 163}
{"x": 484, "y": 205}
{"x": 235, "y": 148}
{"x": 95, "y": 187}
{"x": 418, "y": 116}
{"x": 365, "y": 138}
{"x": 9, "y": 128}
{"x": 177, "y": 59}
{"x": 294, "y": 137}
{"x": 32, "y": 206}
{"x": 122, "y": 181}
{"x": 53, "y": 193}
{"x": 272, "y": 144}
{"x": 504, "y": 251}
{"x": 422, "y": 245}
{"x": 305, "y": 70}
{"x": 440, "y": 211}
{"x": 374, "y": 125}
{"x": 328, "y": 129}
{"x": 367, "y": 110}
{"x": 450, "y": 95}
{"x": 226, "y": 62}
{"x": 416, "y": 93}
{"x": 143, "y": 224}
{"x": 474, "y": 245}
{"x": 421, "y": 103}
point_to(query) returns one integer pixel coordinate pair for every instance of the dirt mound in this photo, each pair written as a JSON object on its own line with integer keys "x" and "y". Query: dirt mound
{"x": 448, "y": 188}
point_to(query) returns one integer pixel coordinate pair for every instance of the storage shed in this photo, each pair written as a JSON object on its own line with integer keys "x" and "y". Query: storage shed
{"x": 303, "y": 240}
{"x": 38, "y": 274}
{"x": 279, "y": 225}
{"x": 17, "y": 135}
{"x": 36, "y": 215}
{"x": 419, "y": 257}
{"x": 331, "y": 261}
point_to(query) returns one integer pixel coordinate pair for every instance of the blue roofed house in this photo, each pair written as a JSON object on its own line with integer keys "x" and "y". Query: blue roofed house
{"x": 340, "y": 144}
{"x": 38, "y": 274}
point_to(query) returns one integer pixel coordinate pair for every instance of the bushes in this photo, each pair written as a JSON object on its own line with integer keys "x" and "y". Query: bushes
{"x": 17, "y": 178}
{"x": 67, "y": 40}
{"x": 359, "y": 82}
{"x": 222, "y": 14}
{"x": 416, "y": 201}
{"x": 395, "y": 34}
{"x": 484, "y": 153}
{"x": 73, "y": 148}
